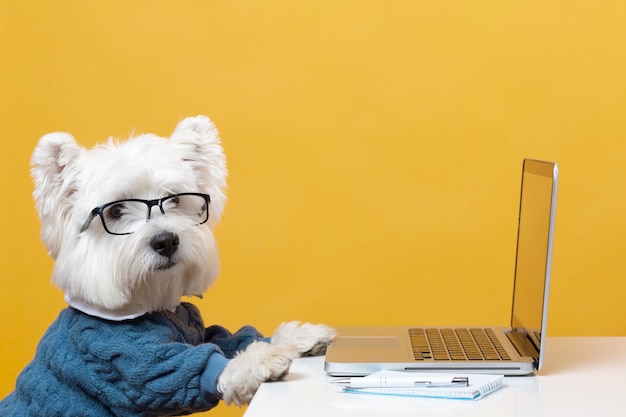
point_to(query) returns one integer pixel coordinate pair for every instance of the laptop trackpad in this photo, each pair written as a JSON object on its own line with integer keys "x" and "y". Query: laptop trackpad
{"x": 367, "y": 342}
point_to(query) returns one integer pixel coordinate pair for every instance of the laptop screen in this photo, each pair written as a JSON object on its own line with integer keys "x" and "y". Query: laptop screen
{"x": 534, "y": 248}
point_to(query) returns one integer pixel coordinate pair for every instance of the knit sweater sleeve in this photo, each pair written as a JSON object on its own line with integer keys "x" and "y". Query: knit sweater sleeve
{"x": 139, "y": 371}
{"x": 161, "y": 364}
{"x": 231, "y": 343}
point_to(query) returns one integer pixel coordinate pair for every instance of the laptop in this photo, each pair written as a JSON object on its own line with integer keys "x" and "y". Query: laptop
{"x": 517, "y": 349}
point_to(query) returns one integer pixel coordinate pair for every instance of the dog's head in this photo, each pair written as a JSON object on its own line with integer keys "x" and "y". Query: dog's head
{"x": 127, "y": 222}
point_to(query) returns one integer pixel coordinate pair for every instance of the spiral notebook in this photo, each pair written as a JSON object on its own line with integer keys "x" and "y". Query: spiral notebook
{"x": 479, "y": 386}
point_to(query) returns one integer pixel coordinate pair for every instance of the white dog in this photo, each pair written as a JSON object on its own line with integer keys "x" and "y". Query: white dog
{"x": 130, "y": 227}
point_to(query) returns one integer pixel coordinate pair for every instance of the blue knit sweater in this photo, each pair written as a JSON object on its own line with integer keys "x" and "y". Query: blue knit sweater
{"x": 160, "y": 364}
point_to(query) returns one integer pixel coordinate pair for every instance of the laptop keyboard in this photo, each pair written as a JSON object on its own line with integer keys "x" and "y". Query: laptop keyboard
{"x": 456, "y": 344}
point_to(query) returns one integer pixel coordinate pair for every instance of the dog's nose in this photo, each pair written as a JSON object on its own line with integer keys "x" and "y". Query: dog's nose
{"x": 165, "y": 243}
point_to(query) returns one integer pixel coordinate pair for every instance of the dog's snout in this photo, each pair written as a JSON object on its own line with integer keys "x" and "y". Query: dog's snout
{"x": 165, "y": 244}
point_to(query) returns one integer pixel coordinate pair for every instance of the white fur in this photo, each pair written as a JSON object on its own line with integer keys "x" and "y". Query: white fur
{"x": 118, "y": 277}
{"x": 260, "y": 362}
{"x": 309, "y": 339}
{"x": 70, "y": 181}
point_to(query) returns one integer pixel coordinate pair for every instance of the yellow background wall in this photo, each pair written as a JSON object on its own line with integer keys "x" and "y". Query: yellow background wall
{"x": 374, "y": 150}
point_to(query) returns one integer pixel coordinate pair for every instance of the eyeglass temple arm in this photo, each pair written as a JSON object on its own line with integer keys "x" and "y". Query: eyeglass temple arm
{"x": 92, "y": 215}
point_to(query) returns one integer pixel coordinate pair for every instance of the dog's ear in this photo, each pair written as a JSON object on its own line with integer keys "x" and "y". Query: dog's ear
{"x": 54, "y": 172}
{"x": 197, "y": 140}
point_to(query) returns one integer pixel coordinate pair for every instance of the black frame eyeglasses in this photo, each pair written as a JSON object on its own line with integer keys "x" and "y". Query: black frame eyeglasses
{"x": 124, "y": 217}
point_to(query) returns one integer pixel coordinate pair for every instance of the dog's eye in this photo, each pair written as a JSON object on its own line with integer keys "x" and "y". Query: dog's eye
{"x": 116, "y": 211}
{"x": 171, "y": 203}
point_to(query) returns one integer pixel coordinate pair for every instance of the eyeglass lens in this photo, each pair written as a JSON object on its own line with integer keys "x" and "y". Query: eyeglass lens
{"x": 126, "y": 216}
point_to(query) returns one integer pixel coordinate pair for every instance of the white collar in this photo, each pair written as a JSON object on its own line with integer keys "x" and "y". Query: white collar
{"x": 125, "y": 313}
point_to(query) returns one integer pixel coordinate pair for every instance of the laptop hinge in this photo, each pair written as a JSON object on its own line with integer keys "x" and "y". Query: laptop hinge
{"x": 523, "y": 344}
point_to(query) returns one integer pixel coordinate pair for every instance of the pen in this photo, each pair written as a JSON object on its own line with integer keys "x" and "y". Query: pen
{"x": 408, "y": 381}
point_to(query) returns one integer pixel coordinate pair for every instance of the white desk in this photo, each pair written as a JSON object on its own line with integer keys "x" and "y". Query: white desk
{"x": 572, "y": 383}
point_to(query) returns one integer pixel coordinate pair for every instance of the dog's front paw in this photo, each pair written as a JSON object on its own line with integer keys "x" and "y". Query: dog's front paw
{"x": 310, "y": 339}
{"x": 260, "y": 362}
